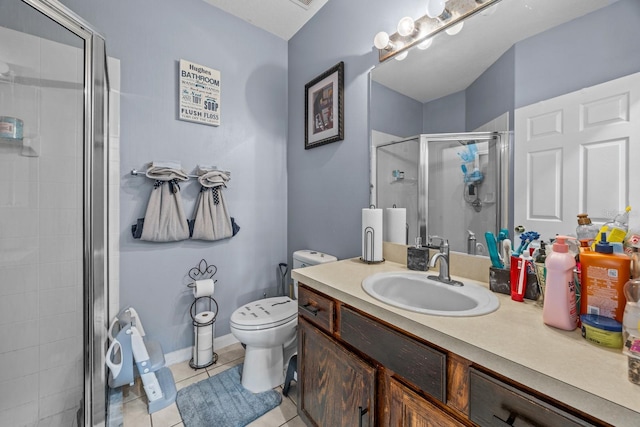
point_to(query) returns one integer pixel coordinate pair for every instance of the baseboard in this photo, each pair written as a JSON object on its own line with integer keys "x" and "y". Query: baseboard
{"x": 185, "y": 354}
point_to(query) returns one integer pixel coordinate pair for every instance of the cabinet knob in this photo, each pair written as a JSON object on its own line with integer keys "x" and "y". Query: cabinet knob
{"x": 362, "y": 411}
{"x": 509, "y": 421}
{"x": 310, "y": 309}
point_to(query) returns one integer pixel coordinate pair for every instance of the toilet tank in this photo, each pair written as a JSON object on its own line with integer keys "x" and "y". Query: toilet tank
{"x": 306, "y": 258}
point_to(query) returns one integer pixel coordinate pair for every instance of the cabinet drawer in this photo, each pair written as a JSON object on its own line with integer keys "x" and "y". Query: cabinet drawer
{"x": 417, "y": 363}
{"x": 316, "y": 308}
{"x": 494, "y": 403}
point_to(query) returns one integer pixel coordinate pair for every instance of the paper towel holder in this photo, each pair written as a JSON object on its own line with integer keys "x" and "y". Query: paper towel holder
{"x": 369, "y": 246}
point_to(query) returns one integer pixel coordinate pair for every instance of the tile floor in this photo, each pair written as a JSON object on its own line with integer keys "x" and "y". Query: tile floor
{"x": 136, "y": 414}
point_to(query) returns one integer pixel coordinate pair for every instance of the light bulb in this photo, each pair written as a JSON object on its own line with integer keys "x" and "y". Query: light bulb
{"x": 401, "y": 56}
{"x": 452, "y": 31}
{"x": 425, "y": 44}
{"x": 381, "y": 41}
{"x": 406, "y": 26}
{"x": 435, "y": 8}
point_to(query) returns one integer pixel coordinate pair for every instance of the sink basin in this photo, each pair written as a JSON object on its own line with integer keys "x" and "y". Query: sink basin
{"x": 414, "y": 291}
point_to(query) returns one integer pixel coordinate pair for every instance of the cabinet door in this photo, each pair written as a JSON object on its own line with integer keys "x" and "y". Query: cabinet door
{"x": 411, "y": 410}
{"x": 337, "y": 388}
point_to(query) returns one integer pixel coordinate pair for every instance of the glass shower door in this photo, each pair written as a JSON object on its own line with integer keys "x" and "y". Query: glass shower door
{"x": 46, "y": 217}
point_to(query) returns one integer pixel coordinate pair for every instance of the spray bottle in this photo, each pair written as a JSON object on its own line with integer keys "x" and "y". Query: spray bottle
{"x": 559, "y": 308}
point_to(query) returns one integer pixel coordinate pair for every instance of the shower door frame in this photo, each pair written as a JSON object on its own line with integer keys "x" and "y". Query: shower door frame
{"x": 95, "y": 271}
{"x": 503, "y": 214}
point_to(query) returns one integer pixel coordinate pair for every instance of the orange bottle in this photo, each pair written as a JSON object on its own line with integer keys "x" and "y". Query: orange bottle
{"x": 604, "y": 274}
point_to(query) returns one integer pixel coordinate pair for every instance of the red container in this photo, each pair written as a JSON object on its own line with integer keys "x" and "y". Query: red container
{"x": 519, "y": 269}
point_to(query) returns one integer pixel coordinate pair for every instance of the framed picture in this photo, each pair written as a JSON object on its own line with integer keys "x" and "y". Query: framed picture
{"x": 324, "y": 108}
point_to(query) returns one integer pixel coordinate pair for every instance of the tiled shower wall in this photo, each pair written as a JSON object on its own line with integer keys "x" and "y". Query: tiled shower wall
{"x": 41, "y": 193}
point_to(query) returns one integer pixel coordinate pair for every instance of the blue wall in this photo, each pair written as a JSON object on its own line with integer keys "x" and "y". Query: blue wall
{"x": 395, "y": 114}
{"x": 579, "y": 54}
{"x": 445, "y": 115}
{"x": 150, "y": 37}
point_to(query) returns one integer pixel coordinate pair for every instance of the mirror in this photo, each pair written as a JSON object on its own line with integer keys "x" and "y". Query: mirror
{"x": 522, "y": 53}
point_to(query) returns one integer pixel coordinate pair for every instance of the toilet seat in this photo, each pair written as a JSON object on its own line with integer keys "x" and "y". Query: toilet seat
{"x": 264, "y": 314}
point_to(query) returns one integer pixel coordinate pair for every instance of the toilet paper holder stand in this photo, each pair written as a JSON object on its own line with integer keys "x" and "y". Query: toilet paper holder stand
{"x": 199, "y": 327}
{"x": 202, "y": 271}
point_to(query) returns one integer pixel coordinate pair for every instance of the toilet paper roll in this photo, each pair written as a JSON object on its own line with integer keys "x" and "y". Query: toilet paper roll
{"x": 202, "y": 357}
{"x": 372, "y": 233}
{"x": 395, "y": 225}
{"x": 204, "y": 317}
{"x": 203, "y": 342}
{"x": 203, "y": 288}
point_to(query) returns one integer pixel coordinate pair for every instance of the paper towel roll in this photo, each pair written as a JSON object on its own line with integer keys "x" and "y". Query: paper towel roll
{"x": 203, "y": 288}
{"x": 395, "y": 225}
{"x": 372, "y": 233}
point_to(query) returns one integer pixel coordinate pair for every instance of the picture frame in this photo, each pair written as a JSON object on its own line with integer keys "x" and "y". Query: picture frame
{"x": 324, "y": 108}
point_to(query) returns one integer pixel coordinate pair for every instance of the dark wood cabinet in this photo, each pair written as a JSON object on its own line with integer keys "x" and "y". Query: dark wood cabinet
{"x": 408, "y": 409}
{"x": 337, "y": 388}
{"x": 356, "y": 370}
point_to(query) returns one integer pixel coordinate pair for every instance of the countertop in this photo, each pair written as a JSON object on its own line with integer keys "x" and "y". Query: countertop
{"x": 512, "y": 341}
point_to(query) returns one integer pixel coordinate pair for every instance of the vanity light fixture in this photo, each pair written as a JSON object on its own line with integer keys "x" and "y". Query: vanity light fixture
{"x": 441, "y": 15}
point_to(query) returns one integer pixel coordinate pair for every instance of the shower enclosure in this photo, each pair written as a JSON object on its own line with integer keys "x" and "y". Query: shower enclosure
{"x": 52, "y": 217}
{"x": 452, "y": 185}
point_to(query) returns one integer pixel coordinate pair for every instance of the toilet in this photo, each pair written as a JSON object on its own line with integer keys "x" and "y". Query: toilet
{"x": 268, "y": 327}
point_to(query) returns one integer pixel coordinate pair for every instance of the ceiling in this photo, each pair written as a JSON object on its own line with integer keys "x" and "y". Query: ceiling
{"x": 464, "y": 57}
{"x": 280, "y": 17}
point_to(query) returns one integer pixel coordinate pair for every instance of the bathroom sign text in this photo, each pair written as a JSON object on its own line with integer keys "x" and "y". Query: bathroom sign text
{"x": 199, "y": 94}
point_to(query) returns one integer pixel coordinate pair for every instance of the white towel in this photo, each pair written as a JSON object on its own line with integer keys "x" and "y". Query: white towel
{"x": 166, "y": 171}
{"x": 165, "y": 220}
{"x": 212, "y": 221}
{"x": 214, "y": 178}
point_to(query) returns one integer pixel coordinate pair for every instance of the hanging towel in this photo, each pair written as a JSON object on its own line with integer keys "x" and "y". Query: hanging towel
{"x": 166, "y": 171}
{"x": 165, "y": 220}
{"x": 211, "y": 220}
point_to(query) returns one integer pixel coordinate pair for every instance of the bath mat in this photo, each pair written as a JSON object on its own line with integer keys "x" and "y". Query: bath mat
{"x": 221, "y": 401}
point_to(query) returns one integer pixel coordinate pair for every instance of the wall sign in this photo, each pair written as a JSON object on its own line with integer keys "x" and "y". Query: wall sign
{"x": 199, "y": 94}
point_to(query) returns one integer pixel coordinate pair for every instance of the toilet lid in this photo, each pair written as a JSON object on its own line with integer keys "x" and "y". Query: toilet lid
{"x": 265, "y": 313}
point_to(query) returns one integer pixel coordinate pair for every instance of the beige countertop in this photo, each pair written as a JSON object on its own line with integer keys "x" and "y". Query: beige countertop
{"x": 512, "y": 341}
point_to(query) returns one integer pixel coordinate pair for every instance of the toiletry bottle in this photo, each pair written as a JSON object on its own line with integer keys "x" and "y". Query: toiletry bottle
{"x": 631, "y": 318}
{"x": 604, "y": 274}
{"x": 586, "y": 230}
{"x": 541, "y": 271}
{"x": 559, "y": 308}
{"x": 616, "y": 230}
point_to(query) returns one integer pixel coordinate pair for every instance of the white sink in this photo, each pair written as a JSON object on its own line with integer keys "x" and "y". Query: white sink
{"x": 414, "y": 291}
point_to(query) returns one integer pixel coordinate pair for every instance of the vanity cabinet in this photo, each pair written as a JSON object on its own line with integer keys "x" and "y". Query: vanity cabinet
{"x": 356, "y": 370}
{"x": 337, "y": 388}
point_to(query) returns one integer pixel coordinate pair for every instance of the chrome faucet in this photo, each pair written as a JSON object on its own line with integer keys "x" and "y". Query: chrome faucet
{"x": 442, "y": 255}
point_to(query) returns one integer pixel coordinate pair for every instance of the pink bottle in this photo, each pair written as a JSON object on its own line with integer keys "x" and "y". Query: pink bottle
{"x": 559, "y": 308}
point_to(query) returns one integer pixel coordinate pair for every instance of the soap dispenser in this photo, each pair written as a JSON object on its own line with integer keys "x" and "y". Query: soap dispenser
{"x": 418, "y": 256}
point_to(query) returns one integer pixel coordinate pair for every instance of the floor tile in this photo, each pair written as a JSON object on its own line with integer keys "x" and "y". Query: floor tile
{"x": 295, "y": 422}
{"x": 217, "y": 368}
{"x": 182, "y": 371}
{"x": 167, "y": 417}
{"x": 136, "y": 414}
{"x": 199, "y": 377}
{"x": 277, "y": 416}
{"x": 229, "y": 354}
{"x": 133, "y": 392}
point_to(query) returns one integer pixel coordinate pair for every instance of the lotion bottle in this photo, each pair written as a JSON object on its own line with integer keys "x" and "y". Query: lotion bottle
{"x": 559, "y": 309}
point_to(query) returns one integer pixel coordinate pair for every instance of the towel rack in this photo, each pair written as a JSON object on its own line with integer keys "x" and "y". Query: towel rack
{"x": 136, "y": 172}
